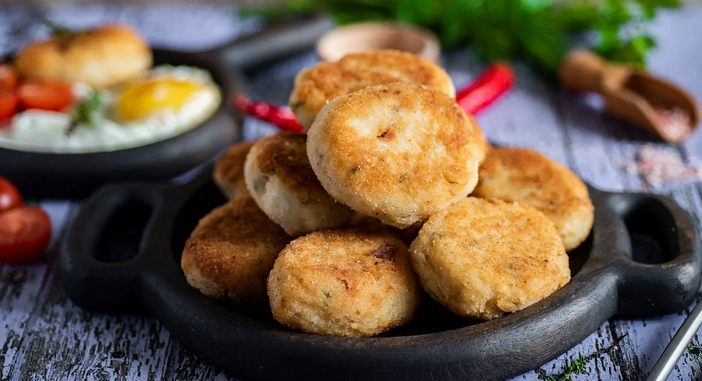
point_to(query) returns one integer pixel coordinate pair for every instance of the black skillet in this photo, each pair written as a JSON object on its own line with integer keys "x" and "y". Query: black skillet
{"x": 78, "y": 175}
{"x": 122, "y": 254}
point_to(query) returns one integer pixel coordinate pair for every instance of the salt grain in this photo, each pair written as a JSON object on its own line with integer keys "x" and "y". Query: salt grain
{"x": 660, "y": 165}
{"x": 674, "y": 122}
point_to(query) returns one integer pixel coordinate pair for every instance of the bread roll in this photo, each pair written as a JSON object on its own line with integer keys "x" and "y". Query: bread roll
{"x": 98, "y": 57}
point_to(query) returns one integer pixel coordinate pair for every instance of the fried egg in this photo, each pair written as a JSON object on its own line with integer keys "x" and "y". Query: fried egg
{"x": 180, "y": 92}
{"x": 165, "y": 102}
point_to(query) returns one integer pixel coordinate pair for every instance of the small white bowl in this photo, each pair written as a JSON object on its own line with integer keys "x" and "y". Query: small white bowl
{"x": 378, "y": 35}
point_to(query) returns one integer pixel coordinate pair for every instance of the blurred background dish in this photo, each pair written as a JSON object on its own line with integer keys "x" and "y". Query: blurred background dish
{"x": 366, "y": 36}
{"x": 76, "y": 174}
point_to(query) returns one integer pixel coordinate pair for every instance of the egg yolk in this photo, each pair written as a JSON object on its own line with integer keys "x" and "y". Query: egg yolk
{"x": 143, "y": 99}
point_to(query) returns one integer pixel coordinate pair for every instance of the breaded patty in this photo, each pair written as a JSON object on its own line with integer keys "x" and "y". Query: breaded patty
{"x": 316, "y": 86}
{"x": 526, "y": 176}
{"x": 231, "y": 251}
{"x": 345, "y": 282}
{"x": 229, "y": 171}
{"x": 483, "y": 258}
{"x": 398, "y": 153}
{"x": 98, "y": 57}
{"x": 280, "y": 179}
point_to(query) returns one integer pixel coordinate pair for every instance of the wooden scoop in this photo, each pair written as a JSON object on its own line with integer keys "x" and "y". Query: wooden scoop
{"x": 635, "y": 95}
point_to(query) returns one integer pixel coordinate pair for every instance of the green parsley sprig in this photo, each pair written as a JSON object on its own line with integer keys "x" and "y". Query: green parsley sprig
{"x": 88, "y": 112}
{"x": 57, "y": 29}
{"x": 695, "y": 349}
{"x": 538, "y": 31}
{"x": 574, "y": 367}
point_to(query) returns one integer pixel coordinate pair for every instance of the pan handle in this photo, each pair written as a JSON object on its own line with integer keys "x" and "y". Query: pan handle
{"x": 274, "y": 42}
{"x": 668, "y": 284}
{"x": 98, "y": 268}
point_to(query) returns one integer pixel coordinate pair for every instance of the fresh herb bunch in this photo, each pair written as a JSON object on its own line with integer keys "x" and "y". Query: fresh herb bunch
{"x": 536, "y": 30}
{"x": 88, "y": 112}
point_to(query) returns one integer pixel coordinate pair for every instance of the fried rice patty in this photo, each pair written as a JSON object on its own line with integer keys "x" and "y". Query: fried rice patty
{"x": 397, "y": 153}
{"x": 229, "y": 171}
{"x": 231, "y": 251}
{"x": 328, "y": 80}
{"x": 280, "y": 179}
{"x": 345, "y": 282}
{"x": 483, "y": 258}
{"x": 526, "y": 176}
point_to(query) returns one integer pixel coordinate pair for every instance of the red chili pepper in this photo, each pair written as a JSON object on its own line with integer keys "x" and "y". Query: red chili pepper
{"x": 488, "y": 87}
{"x": 279, "y": 116}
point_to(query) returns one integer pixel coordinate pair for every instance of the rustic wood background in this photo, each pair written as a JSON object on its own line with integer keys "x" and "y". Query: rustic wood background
{"x": 43, "y": 336}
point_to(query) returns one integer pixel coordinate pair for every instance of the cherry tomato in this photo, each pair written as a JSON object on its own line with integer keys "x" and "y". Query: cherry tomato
{"x": 24, "y": 234}
{"x": 8, "y": 77}
{"x": 10, "y": 196}
{"x": 52, "y": 96}
{"x": 8, "y": 104}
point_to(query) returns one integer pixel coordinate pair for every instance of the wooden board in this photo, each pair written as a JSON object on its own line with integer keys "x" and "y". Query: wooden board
{"x": 43, "y": 336}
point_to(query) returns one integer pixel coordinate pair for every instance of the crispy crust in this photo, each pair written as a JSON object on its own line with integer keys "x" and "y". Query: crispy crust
{"x": 228, "y": 171}
{"x": 346, "y": 282}
{"x": 397, "y": 153}
{"x": 483, "y": 258}
{"x": 231, "y": 251}
{"x": 284, "y": 155}
{"x": 280, "y": 179}
{"x": 316, "y": 86}
{"x": 526, "y": 176}
{"x": 99, "y": 57}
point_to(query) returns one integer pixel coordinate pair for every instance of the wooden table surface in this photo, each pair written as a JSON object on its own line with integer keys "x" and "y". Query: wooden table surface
{"x": 44, "y": 336}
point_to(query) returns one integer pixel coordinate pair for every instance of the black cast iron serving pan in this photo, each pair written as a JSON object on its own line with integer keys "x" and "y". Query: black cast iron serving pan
{"x": 77, "y": 175}
{"x": 123, "y": 251}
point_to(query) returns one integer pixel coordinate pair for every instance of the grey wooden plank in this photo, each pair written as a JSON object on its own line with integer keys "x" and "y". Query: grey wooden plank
{"x": 65, "y": 342}
{"x": 52, "y": 339}
{"x": 539, "y": 124}
{"x": 20, "y": 287}
{"x": 49, "y": 338}
{"x": 184, "y": 365}
{"x": 598, "y": 155}
{"x": 678, "y": 57}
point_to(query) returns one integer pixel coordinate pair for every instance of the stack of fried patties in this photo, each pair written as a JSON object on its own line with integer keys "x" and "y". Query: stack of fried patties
{"x": 319, "y": 224}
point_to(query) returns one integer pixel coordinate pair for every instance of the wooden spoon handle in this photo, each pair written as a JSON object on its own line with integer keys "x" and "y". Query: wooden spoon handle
{"x": 582, "y": 70}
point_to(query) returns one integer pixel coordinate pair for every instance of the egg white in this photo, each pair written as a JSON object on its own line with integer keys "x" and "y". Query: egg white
{"x": 45, "y": 131}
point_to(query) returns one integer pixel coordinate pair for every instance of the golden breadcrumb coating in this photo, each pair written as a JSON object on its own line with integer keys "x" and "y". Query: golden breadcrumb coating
{"x": 527, "y": 176}
{"x": 397, "y": 153}
{"x": 345, "y": 282}
{"x": 228, "y": 171}
{"x": 483, "y": 258}
{"x": 316, "y": 86}
{"x": 231, "y": 251}
{"x": 280, "y": 179}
